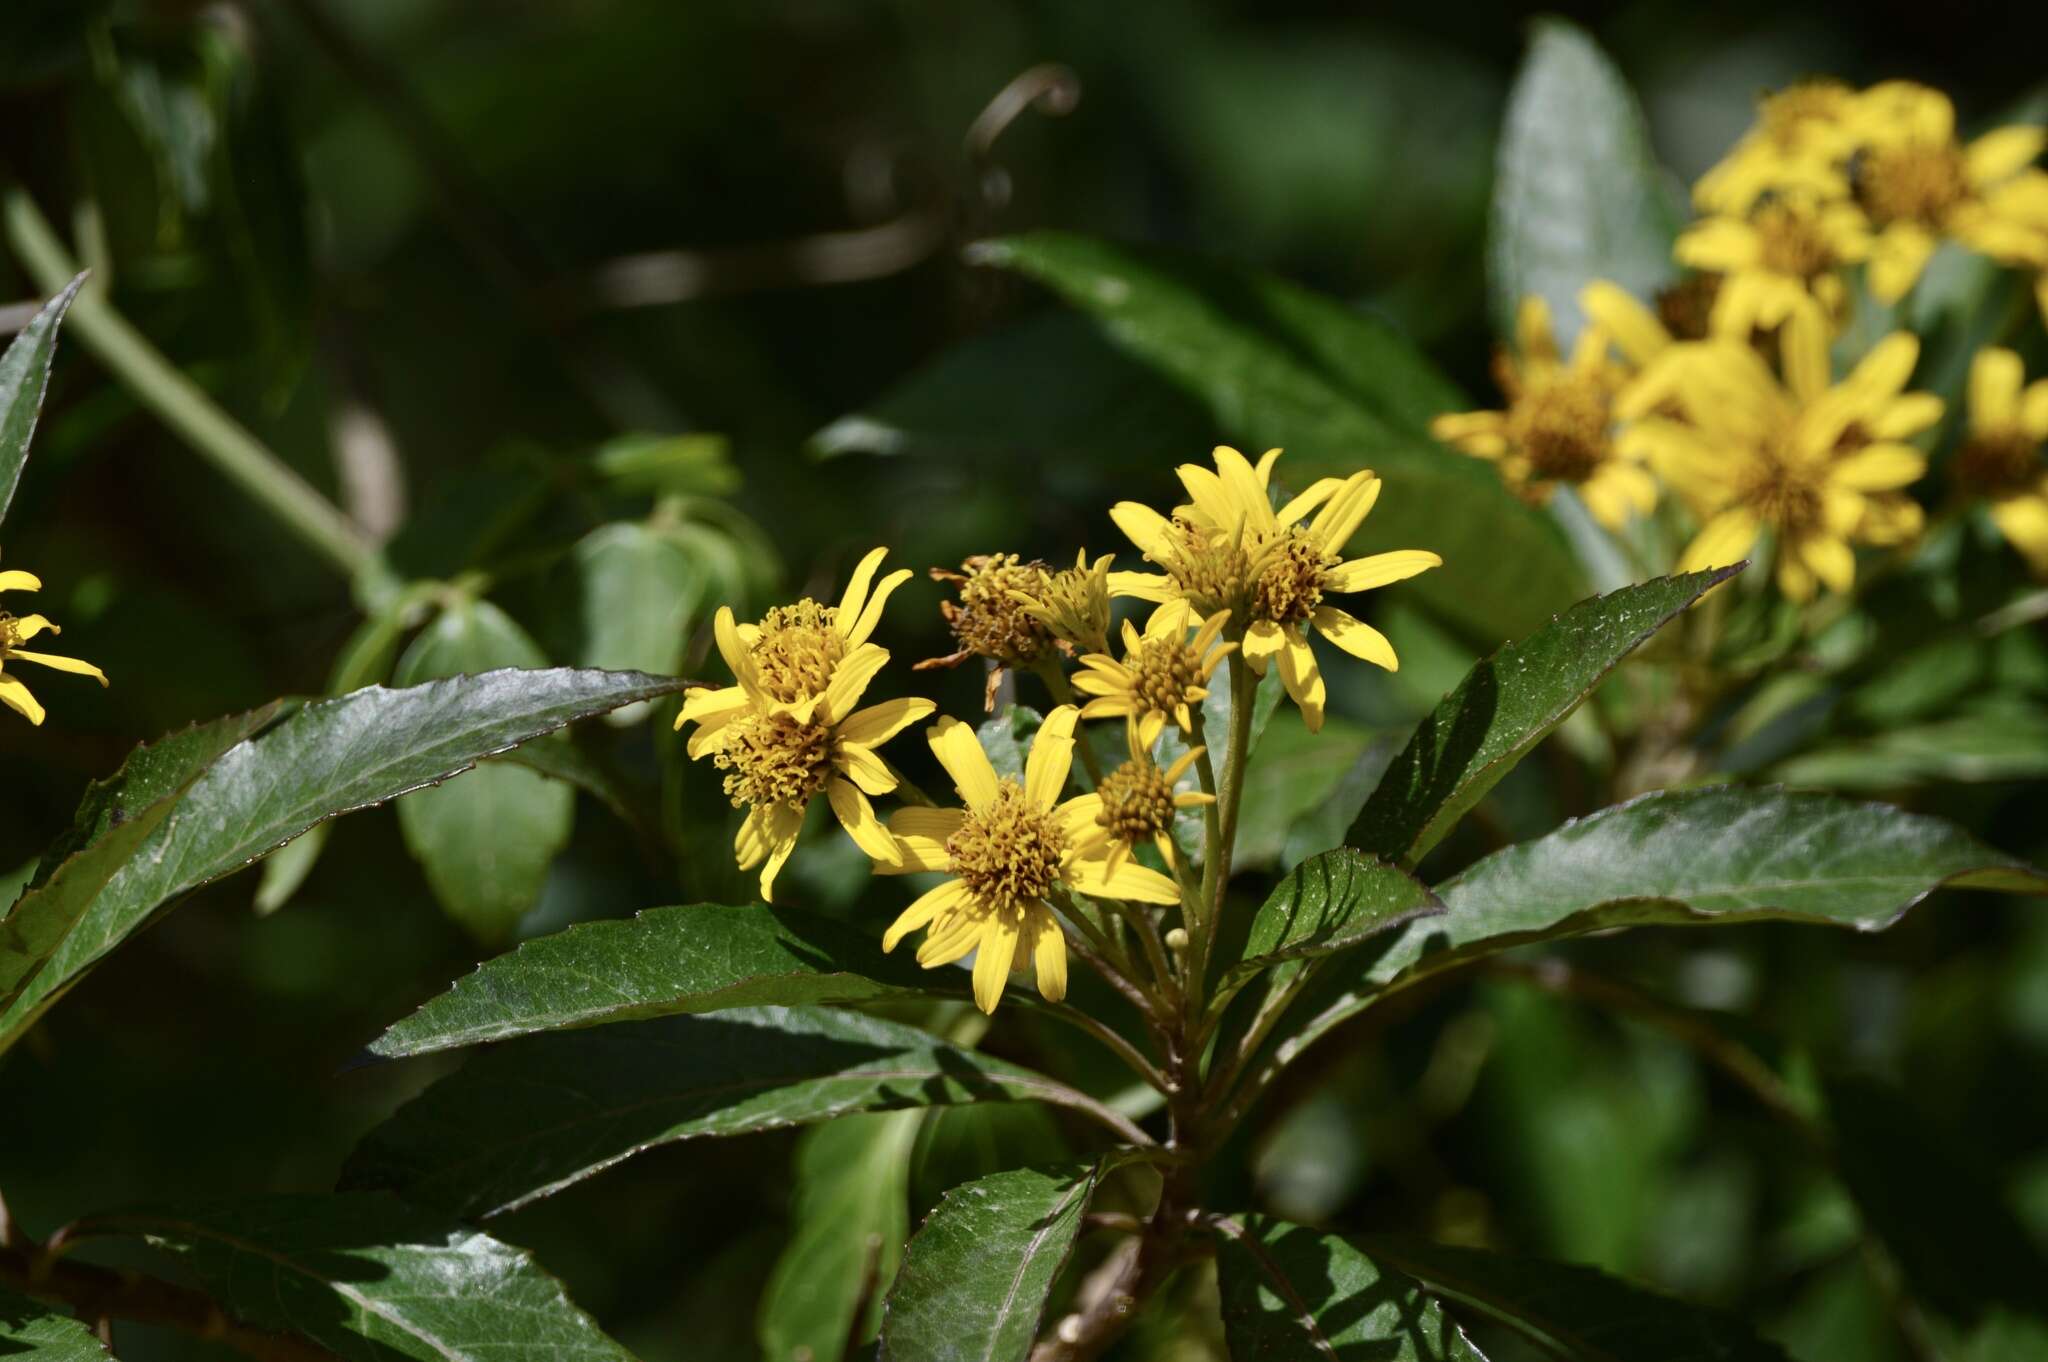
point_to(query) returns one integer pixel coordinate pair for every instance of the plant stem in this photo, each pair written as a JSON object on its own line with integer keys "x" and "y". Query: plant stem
{"x": 186, "y": 408}
{"x": 1101, "y": 1031}
{"x": 1062, "y": 691}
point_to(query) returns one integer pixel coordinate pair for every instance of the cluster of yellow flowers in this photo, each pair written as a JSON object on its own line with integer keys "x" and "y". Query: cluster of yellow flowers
{"x": 1235, "y": 576}
{"x": 1721, "y": 389}
{"x": 17, "y": 630}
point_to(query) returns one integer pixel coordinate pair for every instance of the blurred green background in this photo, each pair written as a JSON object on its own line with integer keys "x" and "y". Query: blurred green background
{"x": 439, "y": 253}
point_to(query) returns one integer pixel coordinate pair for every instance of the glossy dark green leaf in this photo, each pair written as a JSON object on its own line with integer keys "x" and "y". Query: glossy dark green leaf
{"x": 1293, "y": 1294}
{"x": 485, "y": 841}
{"x": 1277, "y": 365}
{"x": 371, "y": 1278}
{"x": 852, "y": 1216}
{"x": 641, "y": 596}
{"x": 33, "y": 1332}
{"x": 1506, "y": 705}
{"x": 666, "y": 961}
{"x": 976, "y": 1279}
{"x": 117, "y": 816}
{"x": 528, "y": 1118}
{"x": 24, "y": 376}
{"x": 1578, "y": 194}
{"x": 1329, "y": 903}
{"x": 328, "y": 758}
{"x": 1578, "y": 1312}
{"x": 1935, "y": 1201}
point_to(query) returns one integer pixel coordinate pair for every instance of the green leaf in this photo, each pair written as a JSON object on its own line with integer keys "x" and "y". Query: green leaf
{"x": 371, "y": 1278}
{"x": 117, "y": 816}
{"x": 485, "y": 841}
{"x": 1303, "y": 789}
{"x": 1578, "y": 1312}
{"x": 1506, "y": 705}
{"x": 852, "y": 1215}
{"x": 1277, "y": 365}
{"x": 2005, "y": 741}
{"x": 666, "y": 961}
{"x": 668, "y": 465}
{"x": 1578, "y": 194}
{"x": 1329, "y": 903}
{"x": 32, "y": 1332}
{"x": 524, "y": 1120}
{"x": 328, "y": 758}
{"x": 1006, "y": 739}
{"x": 1721, "y": 854}
{"x": 571, "y": 765}
{"x": 641, "y": 595}
{"x": 24, "y": 376}
{"x": 976, "y": 1279}
{"x": 1294, "y": 1293}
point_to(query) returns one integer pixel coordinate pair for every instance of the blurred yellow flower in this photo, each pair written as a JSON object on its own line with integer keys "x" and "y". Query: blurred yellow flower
{"x": 1785, "y": 256}
{"x": 1162, "y": 674}
{"x": 1919, "y": 184}
{"x": 1803, "y": 136}
{"x": 1820, "y": 466}
{"x": 1228, "y": 549}
{"x": 1558, "y": 426}
{"x": 2000, "y": 457}
{"x": 17, "y": 630}
{"x": 1012, "y": 844}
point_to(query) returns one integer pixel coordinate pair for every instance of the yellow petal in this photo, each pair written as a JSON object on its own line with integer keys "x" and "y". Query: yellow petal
{"x": 1803, "y": 352}
{"x": 1829, "y": 559}
{"x": 1724, "y": 540}
{"x": 1897, "y": 256}
{"x": 857, "y": 816}
{"x": 849, "y": 679}
{"x": 706, "y": 702}
{"x": 1996, "y": 377}
{"x": 878, "y": 723}
{"x": 1265, "y": 468}
{"x": 1634, "y": 327}
{"x": 1303, "y": 679}
{"x": 856, "y": 593}
{"x": 16, "y": 697}
{"x": 1048, "y": 947}
{"x": 1261, "y": 641}
{"x": 952, "y": 936}
{"x": 2022, "y": 520}
{"x": 1322, "y": 489}
{"x": 1535, "y": 339}
{"x": 1129, "y": 881}
{"x": 2002, "y": 152}
{"x": 1906, "y": 416}
{"x": 1051, "y": 758}
{"x": 992, "y": 962}
{"x": 738, "y": 657}
{"x": 1145, "y": 586}
{"x": 1144, "y": 527}
{"x": 1244, "y": 487}
{"x": 59, "y": 664}
{"x": 1363, "y": 574}
{"x": 959, "y": 751}
{"x": 1722, "y": 245}
{"x": 14, "y": 579}
{"x": 1355, "y": 636}
{"x": 768, "y": 834}
{"x": 1151, "y": 724}
{"x": 866, "y": 769}
{"x": 871, "y": 613}
{"x": 1884, "y": 371}
{"x": 928, "y": 905}
{"x": 1168, "y": 621}
{"x": 1880, "y": 468}
{"x": 2034, "y": 409}
{"x": 1341, "y": 516}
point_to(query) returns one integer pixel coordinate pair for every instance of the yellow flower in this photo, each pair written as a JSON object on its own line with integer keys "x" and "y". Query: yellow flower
{"x": 1803, "y": 136}
{"x": 2000, "y": 458}
{"x": 1137, "y": 802}
{"x": 1013, "y": 844}
{"x": 1919, "y": 183}
{"x": 1072, "y": 604}
{"x": 992, "y": 619}
{"x": 1162, "y": 673}
{"x": 1230, "y": 550}
{"x": 1785, "y": 256}
{"x": 789, "y": 731}
{"x": 1819, "y": 466}
{"x": 17, "y": 631}
{"x": 1558, "y": 424}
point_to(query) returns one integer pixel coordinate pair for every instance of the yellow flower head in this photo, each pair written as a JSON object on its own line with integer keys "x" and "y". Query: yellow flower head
{"x": 1163, "y": 671}
{"x": 1072, "y": 605}
{"x": 789, "y": 730}
{"x": 992, "y": 619}
{"x": 1137, "y": 803}
{"x": 1558, "y": 426}
{"x": 1918, "y": 183}
{"x": 2000, "y": 457}
{"x": 17, "y": 630}
{"x": 1803, "y": 136}
{"x": 1785, "y": 256}
{"x": 1230, "y": 550}
{"x": 1819, "y": 466}
{"x": 1012, "y": 845}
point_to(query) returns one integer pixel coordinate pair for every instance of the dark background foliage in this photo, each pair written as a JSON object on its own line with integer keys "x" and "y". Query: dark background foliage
{"x": 399, "y": 222}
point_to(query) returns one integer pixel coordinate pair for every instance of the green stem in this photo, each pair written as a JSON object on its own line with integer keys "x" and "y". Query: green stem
{"x": 1062, "y": 691}
{"x": 1216, "y": 865}
{"x": 186, "y": 408}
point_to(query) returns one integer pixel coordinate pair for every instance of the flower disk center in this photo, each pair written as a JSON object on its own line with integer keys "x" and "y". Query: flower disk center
{"x": 1911, "y": 184}
{"x": 1562, "y": 427}
{"x": 1211, "y": 575}
{"x": 1290, "y": 583}
{"x": 1008, "y": 853}
{"x": 1161, "y": 673}
{"x": 1792, "y": 242}
{"x": 1137, "y": 803}
{"x": 10, "y": 631}
{"x": 775, "y": 759}
{"x": 991, "y": 622}
{"x": 1998, "y": 461}
{"x": 798, "y": 650}
{"x": 1783, "y": 494}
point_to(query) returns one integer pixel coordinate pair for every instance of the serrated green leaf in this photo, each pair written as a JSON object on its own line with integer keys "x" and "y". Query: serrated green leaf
{"x": 1578, "y": 194}
{"x": 370, "y": 1278}
{"x": 666, "y": 961}
{"x": 852, "y": 1216}
{"x": 1579, "y": 1312}
{"x": 1277, "y": 365}
{"x": 328, "y": 758}
{"x": 1327, "y": 904}
{"x": 485, "y": 841}
{"x": 33, "y": 1332}
{"x": 1293, "y": 1294}
{"x": 641, "y": 593}
{"x": 976, "y": 1279}
{"x": 1505, "y": 705}
{"x": 526, "y": 1119}
{"x": 24, "y": 376}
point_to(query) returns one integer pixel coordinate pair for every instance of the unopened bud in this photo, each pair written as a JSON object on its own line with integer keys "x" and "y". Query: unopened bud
{"x": 1177, "y": 939}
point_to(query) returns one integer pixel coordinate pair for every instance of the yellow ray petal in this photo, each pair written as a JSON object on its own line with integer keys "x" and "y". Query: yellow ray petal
{"x": 1996, "y": 377}
{"x": 2022, "y": 520}
{"x": 992, "y": 962}
{"x": 856, "y": 594}
{"x": 706, "y": 702}
{"x": 878, "y": 723}
{"x": 871, "y": 614}
{"x": 849, "y": 680}
{"x": 1244, "y": 488}
{"x": 1363, "y": 574}
{"x": 1343, "y": 513}
{"x": 737, "y": 656}
{"x": 1051, "y": 758}
{"x": 1634, "y": 327}
{"x": 1261, "y": 641}
{"x": 16, "y": 697}
{"x": 1906, "y": 416}
{"x": 1265, "y": 467}
{"x": 1319, "y": 491}
{"x": 1355, "y": 636}
{"x": 2002, "y": 152}
{"x": 1144, "y": 586}
{"x": 1830, "y": 559}
{"x": 1129, "y": 881}
{"x": 865, "y": 769}
{"x": 1048, "y": 947}
{"x": 1170, "y": 620}
{"x": 928, "y": 905}
{"x": 1303, "y": 679}
{"x": 59, "y": 664}
{"x": 1144, "y": 527}
{"x": 952, "y": 935}
{"x": 14, "y": 579}
{"x": 1724, "y": 540}
{"x": 1880, "y": 468}
{"x": 957, "y": 749}
{"x": 857, "y": 816}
